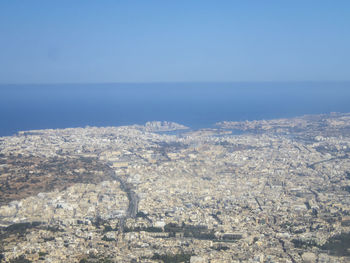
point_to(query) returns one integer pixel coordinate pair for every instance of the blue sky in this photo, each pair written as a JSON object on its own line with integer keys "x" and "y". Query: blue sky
{"x": 174, "y": 41}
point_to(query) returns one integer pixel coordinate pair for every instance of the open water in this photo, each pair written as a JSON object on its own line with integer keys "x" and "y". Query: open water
{"x": 27, "y": 107}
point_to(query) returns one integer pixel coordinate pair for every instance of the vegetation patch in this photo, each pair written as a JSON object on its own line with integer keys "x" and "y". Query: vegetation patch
{"x": 338, "y": 245}
{"x": 20, "y": 259}
{"x": 299, "y": 243}
{"x": 146, "y": 229}
{"x": 177, "y": 258}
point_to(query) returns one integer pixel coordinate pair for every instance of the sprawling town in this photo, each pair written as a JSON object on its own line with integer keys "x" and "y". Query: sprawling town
{"x": 253, "y": 191}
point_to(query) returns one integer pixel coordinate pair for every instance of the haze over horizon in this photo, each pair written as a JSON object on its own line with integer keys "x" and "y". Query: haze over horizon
{"x": 157, "y": 41}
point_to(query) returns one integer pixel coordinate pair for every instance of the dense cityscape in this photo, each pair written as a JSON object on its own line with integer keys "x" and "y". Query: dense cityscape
{"x": 253, "y": 191}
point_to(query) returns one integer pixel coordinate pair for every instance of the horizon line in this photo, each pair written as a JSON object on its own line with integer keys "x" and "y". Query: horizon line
{"x": 173, "y": 82}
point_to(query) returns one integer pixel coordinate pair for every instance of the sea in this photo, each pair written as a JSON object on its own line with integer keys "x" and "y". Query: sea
{"x": 197, "y": 105}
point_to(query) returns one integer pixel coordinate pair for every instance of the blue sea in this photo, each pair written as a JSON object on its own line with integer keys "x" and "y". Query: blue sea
{"x": 197, "y": 105}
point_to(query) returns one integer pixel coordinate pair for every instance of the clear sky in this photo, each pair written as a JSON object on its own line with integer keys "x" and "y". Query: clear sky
{"x": 182, "y": 41}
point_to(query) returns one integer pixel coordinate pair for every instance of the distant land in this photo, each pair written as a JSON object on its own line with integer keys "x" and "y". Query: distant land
{"x": 197, "y": 105}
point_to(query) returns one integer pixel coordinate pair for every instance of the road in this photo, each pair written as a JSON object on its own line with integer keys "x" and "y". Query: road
{"x": 132, "y": 196}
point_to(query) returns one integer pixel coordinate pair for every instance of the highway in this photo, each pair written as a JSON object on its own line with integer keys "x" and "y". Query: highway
{"x": 132, "y": 196}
